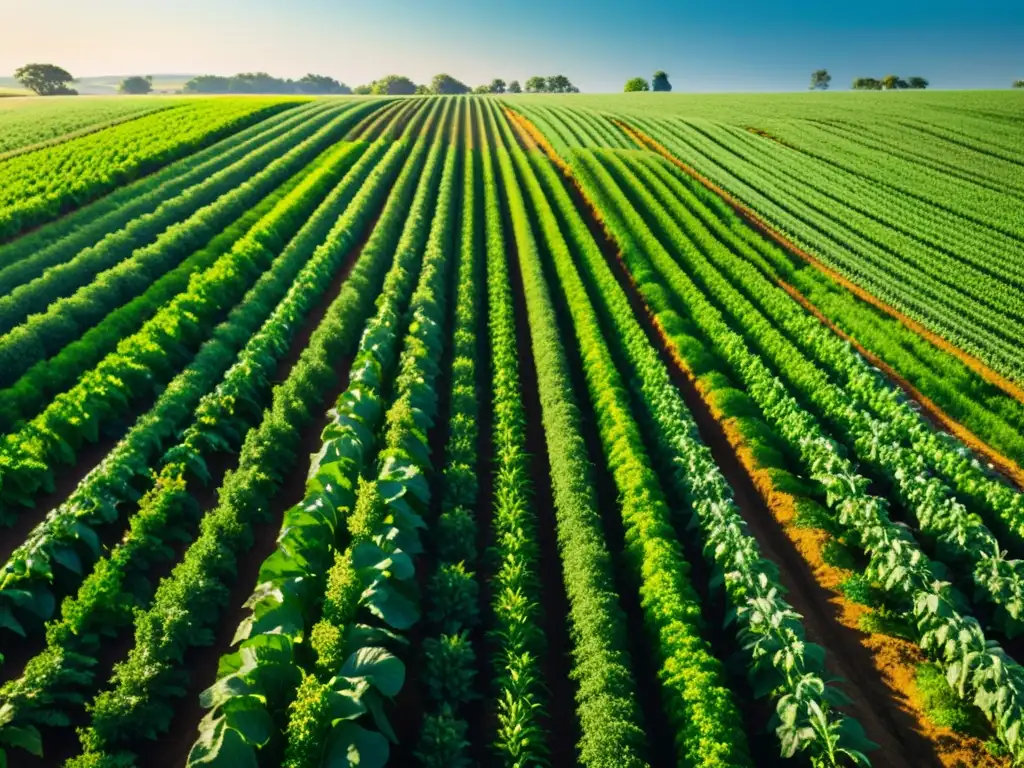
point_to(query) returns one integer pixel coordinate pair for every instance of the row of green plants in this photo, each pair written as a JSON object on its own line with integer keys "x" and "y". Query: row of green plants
{"x": 226, "y": 197}
{"x": 700, "y": 707}
{"x": 39, "y": 186}
{"x": 869, "y": 413}
{"x": 55, "y": 681}
{"x": 136, "y": 221}
{"x": 976, "y": 329}
{"x": 188, "y": 606}
{"x": 38, "y": 386}
{"x": 63, "y": 279}
{"x": 950, "y": 234}
{"x": 448, "y": 654}
{"x": 607, "y": 706}
{"x": 308, "y": 588}
{"x": 902, "y": 231}
{"x": 961, "y": 393}
{"x": 516, "y": 639}
{"x": 26, "y": 257}
{"x": 143, "y": 361}
{"x": 880, "y": 442}
{"x": 63, "y": 545}
{"x": 780, "y": 661}
{"x": 977, "y": 669}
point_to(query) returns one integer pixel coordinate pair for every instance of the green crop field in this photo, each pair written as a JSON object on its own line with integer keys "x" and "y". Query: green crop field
{"x": 623, "y": 431}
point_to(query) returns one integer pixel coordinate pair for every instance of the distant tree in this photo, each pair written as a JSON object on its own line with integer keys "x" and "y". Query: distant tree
{"x": 560, "y": 84}
{"x": 365, "y": 90}
{"x": 322, "y": 84}
{"x": 136, "y": 85}
{"x": 46, "y": 79}
{"x": 660, "y": 82}
{"x": 423, "y": 90}
{"x": 867, "y": 84}
{"x": 636, "y": 84}
{"x": 482, "y": 90}
{"x": 497, "y": 85}
{"x": 446, "y": 85}
{"x": 889, "y": 82}
{"x": 514, "y": 87}
{"x": 394, "y": 85}
{"x": 901, "y": 84}
{"x": 1018, "y": 83}
{"x": 917, "y": 82}
{"x": 537, "y": 85}
{"x": 207, "y": 84}
{"x": 820, "y": 79}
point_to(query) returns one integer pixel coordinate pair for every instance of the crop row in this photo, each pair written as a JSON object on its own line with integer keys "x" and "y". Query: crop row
{"x": 187, "y": 606}
{"x": 64, "y": 670}
{"x": 286, "y": 642}
{"x": 26, "y": 258}
{"x": 225, "y": 197}
{"x": 978, "y": 670}
{"x": 146, "y": 359}
{"x": 40, "y": 186}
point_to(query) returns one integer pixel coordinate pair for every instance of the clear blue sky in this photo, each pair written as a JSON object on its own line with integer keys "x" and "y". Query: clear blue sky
{"x": 705, "y": 45}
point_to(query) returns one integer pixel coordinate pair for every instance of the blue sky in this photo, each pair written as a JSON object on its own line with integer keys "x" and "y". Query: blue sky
{"x": 705, "y": 45}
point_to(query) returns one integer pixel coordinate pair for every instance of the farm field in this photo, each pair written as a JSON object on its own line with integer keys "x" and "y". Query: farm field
{"x": 611, "y": 431}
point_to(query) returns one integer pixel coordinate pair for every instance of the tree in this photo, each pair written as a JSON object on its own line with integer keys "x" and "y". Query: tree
{"x": 536, "y": 85}
{"x": 889, "y": 82}
{"x": 136, "y": 85}
{"x": 365, "y": 90}
{"x": 636, "y": 84}
{"x": 423, "y": 90}
{"x": 867, "y": 84}
{"x": 482, "y": 90}
{"x": 447, "y": 85}
{"x": 820, "y": 79}
{"x": 560, "y": 84}
{"x": 917, "y": 82}
{"x": 514, "y": 87}
{"x": 322, "y": 84}
{"x": 46, "y": 79}
{"x": 1018, "y": 83}
{"x": 394, "y": 85}
{"x": 660, "y": 82}
{"x": 901, "y": 84}
{"x": 497, "y": 85}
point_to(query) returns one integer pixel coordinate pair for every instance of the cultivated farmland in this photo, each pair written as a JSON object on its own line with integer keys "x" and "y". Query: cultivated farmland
{"x": 647, "y": 430}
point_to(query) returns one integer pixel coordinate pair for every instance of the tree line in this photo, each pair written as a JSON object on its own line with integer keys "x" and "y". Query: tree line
{"x": 821, "y": 79}
{"x": 444, "y": 84}
{"x": 52, "y": 80}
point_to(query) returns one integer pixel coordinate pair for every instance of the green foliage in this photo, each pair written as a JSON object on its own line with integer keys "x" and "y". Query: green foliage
{"x": 449, "y": 667}
{"x": 45, "y": 79}
{"x": 820, "y": 79}
{"x": 659, "y": 81}
{"x": 446, "y": 85}
{"x": 943, "y": 707}
{"x": 514, "y": 87}
{"x": 136, "y": 85}
{"x": 443, "y": 742}
{"x": 393, "y": 85}
{"x": 636, "y": 84}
